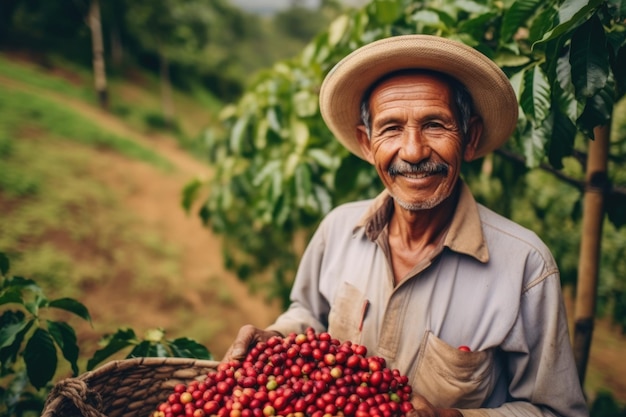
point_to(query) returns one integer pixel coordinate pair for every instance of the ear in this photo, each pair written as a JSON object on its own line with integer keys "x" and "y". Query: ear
{"x": 364, "y": 143}
{"x": 474, "y": 133}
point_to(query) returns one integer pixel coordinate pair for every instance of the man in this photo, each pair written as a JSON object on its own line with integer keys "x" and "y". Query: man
{"x": 464, "y": 302}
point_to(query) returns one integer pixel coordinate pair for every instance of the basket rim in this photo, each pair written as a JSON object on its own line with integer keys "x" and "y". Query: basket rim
{"x": 147, "y": 361}
{"x": 80, "y": 385}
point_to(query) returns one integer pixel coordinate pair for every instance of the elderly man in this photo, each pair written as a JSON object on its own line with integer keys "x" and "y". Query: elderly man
{"x": 463, "y": 301}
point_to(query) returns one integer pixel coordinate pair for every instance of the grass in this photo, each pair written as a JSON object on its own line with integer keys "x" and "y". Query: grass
{"x": 60, "y": 224}
{"x": 53, "y": 209}
{"x": 78, "y": 85}
{"x": 136, "y": 102}
{"x": 66, "y": 228}
{"x": 25, "y": 112}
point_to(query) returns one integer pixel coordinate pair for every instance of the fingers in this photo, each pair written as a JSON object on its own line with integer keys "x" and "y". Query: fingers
{"x": 239, "y": 348}
{"x": 422, "y": 408}
{"x": 248, "y": 335}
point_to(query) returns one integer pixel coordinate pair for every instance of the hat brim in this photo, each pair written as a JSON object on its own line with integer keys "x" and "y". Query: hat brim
{"x": 492, "y": 94}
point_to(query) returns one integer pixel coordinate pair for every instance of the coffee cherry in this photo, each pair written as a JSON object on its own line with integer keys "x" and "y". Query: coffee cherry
{"x": 300, "y": 375}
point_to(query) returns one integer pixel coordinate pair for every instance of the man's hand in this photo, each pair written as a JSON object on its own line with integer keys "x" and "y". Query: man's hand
{"x": 247, "y": 337}
{"x": 423, "y": 408}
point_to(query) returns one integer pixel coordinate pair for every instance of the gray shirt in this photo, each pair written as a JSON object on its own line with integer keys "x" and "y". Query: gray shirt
{"x": 491, "y": 285}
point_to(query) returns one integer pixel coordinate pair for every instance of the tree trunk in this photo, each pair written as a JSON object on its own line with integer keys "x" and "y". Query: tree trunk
{"x": 97, "y": 44}
{"x": 597, "y": 185}
{"x": 117, "y": 49}
{"x": 166, "y": 91}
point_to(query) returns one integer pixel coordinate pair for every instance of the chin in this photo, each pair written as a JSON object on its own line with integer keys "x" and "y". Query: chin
{"x": 419, "y": 205}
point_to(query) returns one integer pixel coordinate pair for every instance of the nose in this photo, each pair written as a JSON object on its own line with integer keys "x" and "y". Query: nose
{"x": 414, "y": 146}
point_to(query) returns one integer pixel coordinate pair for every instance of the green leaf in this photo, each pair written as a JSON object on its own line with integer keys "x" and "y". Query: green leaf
{"x": 386, "y": 11}
{"x": 41, "y": 358}
{"x": 65, "y": 337}
{"x": 299, "y": 134}
{"x": 184, "y": 347}
{"x": 36, "y": 303}
{"x": 5, "y": 265}
{"x": 21, "y": 283}
{"x": 323, "y": 198}
{"x": 535, "y": 99}
{"x": 160, "y": 351}
{"x": 237, "y": 134}
{"x": 8, "y": 354}
{"x": 597, "y": 112}
{"x": 516, "y": 17}
{"x": 12, "y": 295}
{"x": 302, "y": 184}
{"x": 114, "y": 343}
{"x": 10, "y": 331}
{"x": 562, "y": 140}
{"x": 305, "y": 103}
{"x": 535, "y": 143}
{"x": 323, "y": 158}
{"x": 337, "y": 28}
{"x": 615, "y": 204}
{"x": 260, "y": 137}
{"x": 589, "y": 59}
{"x": 144, "y": 349}
{"x": 154, "y": 335}
{"x": 73, "y": 306}
{"x": 267, "y": 171}
{"x": 427, "y": 18}
{"x": 471, "y": 6}
{"x": 474, "y": 26}
{"x": 190, "y": 193}
{"x": 571, "y": 14}
{"x": 619, "y": 8}
{"x": 541, "y": 23}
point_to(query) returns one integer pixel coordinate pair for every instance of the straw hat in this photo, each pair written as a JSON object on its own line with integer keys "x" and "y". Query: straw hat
{"x": 343, "y": 88}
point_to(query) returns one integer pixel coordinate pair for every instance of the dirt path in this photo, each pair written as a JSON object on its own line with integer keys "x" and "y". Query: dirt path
{"x": 154, "y": 197}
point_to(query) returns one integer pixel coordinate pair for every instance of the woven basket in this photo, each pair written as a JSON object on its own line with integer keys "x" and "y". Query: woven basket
{"x": 123, "y": 388}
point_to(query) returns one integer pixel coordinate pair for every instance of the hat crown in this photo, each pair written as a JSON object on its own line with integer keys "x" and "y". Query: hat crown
{"x": 492, "y": 94}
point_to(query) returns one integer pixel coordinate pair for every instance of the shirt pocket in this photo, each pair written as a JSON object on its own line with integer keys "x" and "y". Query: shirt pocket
{"x": 346, "y": 315}
{"x": 449, "y": 377}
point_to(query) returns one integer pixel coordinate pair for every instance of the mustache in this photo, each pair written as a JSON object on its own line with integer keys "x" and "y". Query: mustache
{"x": 420, "y": 168}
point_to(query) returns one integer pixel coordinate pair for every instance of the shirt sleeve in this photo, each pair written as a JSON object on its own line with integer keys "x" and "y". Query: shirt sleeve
{"x": 539, "y": 358}
{"x": 308, "y": 307}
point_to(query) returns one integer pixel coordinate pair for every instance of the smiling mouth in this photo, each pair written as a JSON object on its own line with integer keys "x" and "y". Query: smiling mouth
{"x": 418, "y": 175}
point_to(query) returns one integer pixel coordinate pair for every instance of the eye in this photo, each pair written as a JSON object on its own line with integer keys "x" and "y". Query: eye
{"x": 434, "y": 125}
{"x": 390, "y": 129}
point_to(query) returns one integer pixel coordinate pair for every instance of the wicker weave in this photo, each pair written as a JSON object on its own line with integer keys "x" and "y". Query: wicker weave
{"x": 124, "y": 388}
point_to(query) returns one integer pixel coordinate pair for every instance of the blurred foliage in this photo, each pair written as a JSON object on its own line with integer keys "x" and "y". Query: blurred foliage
{"x": 32, "y": 335}
{"x": 209, "y": 44}
{"x": 279, "y": 171}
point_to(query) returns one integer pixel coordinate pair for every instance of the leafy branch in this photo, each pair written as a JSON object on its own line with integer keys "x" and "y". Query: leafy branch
{"x": 30, "y": 339}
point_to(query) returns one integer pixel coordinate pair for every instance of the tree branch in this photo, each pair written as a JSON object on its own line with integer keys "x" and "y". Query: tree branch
{"x": 576, "y": 183}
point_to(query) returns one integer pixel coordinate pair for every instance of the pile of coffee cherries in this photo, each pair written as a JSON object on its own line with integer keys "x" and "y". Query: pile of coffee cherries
{"x": 301, "y": 375}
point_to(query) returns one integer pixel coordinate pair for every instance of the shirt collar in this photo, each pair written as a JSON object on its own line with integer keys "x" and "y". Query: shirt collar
{"x": 465, "y": 234}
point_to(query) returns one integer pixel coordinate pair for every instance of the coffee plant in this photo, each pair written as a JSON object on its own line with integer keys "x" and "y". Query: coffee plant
{"x": 305, "y": 374}
{"x": 278, "y": 170}
{"x": 32, "y": 337}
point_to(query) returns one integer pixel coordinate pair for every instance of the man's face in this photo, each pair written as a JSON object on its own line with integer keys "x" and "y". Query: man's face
{"x": 416, "y": 142}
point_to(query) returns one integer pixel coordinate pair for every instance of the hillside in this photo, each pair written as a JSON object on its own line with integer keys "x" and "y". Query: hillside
{"x": 162, "y": 269}
{"x": 120, "y": 241}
